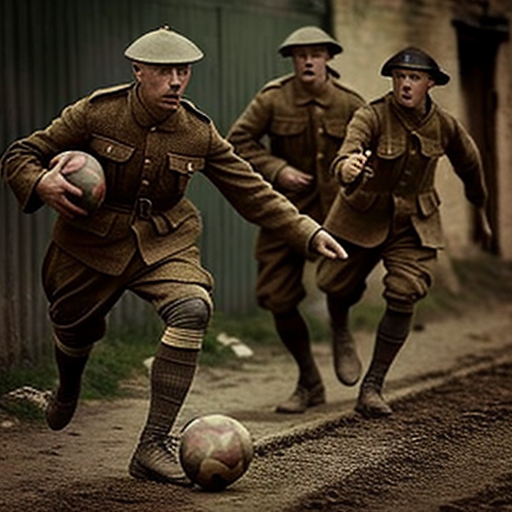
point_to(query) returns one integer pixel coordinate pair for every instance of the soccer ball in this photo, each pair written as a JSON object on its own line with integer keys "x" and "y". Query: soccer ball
{"x": 215, "y": 451}
{"x": 86, "y": 173}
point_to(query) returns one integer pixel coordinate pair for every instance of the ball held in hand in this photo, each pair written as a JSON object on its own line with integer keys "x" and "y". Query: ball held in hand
{"x": 85, "y": 172}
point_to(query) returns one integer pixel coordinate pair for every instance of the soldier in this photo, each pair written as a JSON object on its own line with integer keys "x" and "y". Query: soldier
{"x": 387, "y": 208}
{"x": 150, "y": 142}
{"x": 304, "y": 115}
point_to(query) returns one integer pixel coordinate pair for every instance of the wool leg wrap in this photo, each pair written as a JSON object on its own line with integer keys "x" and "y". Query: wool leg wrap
{"x": 175, "y": 363}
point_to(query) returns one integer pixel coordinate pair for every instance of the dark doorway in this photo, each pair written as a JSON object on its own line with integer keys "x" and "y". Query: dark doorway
{"x": 478, "y": 40}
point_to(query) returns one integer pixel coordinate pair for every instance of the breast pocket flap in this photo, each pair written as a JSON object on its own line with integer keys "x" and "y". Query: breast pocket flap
{"x": 185, "y": 164}
{"x": 111, "y": 149}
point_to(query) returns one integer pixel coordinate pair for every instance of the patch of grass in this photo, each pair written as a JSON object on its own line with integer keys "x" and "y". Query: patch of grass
{"x": 113, "y": 360}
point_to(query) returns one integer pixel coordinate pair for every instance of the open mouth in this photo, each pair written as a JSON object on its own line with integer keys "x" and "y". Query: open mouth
{"x": 171, "y": 98}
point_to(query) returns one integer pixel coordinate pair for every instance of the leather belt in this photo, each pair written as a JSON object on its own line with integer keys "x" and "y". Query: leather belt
{"x": 142, "y": 207}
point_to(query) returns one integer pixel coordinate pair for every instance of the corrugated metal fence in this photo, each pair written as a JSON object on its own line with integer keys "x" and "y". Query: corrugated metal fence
{"x": 55, "y": 51}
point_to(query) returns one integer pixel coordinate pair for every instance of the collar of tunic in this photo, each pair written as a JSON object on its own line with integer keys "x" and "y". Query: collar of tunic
{"x": 324, "y": 98}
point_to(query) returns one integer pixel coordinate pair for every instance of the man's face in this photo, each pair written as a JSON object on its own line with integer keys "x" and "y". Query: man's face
{"x": 410, "y": 86}
{"x": 310, "y": 63}
{"x": 162, "y": 86}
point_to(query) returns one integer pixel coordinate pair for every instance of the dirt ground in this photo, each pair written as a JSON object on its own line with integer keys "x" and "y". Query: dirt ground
{"x": 447, "y": 447}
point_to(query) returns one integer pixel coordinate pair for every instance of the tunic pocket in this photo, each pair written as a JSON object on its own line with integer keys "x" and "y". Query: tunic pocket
{"x": 110, "y": 149}
{"x": 335, "y": 128}
{"x": 183, "y": 168}
{"x": 287, "y": 127}
{"x": 428, "y": 203}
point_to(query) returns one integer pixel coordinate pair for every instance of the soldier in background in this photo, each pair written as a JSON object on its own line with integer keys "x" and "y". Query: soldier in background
{"x": 304, "y": 115}
{"x": 150, "y": 142}
{"x": 387, "y": 208}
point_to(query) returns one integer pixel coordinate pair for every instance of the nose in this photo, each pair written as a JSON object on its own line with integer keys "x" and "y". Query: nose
{"x": 174, "y": 81}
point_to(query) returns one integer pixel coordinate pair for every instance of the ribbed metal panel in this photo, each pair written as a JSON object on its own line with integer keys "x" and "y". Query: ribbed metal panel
{"x": 54, "y": 51}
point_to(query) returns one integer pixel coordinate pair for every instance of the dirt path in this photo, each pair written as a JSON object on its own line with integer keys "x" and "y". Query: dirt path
{"x": 444, "y": 444}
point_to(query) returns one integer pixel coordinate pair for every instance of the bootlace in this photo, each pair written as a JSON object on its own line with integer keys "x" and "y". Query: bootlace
{"x": 172, "y": 444}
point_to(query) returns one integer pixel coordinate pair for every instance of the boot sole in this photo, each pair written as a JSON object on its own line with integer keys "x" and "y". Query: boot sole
{"x": 312, "y": 403}
{"x": 372, "y": 413}
{"x": 137, "y": 470}
{"x": 59, "y": 415}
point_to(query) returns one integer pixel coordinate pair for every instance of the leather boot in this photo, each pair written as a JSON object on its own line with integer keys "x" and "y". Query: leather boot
{"x": 62, "y": 405}
{"x": 370, "y": 402}
{"x": 59, "y": 414}
{"x": 347, "y": 364}
{"x": 156, "y": 455}
{"x": 157, "y": 459}
{"x": 391, "y": 335}
{"x": 303, "y": 398}
{"x": 310, "y": 391}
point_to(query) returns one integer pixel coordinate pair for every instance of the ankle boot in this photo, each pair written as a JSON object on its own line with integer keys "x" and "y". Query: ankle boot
{"x": 155, "y": 457}
{"x": 391, "y": 334}
{"x": 293, "y": 331}
{"x": 302, "y": 398}
{"x": 370, "y": 402}
{"x": 347, "y": 364}
{"x": 62, "y": 404}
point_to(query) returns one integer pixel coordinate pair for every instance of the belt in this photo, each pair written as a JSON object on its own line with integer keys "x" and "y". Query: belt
{"x": 141, "y": 208}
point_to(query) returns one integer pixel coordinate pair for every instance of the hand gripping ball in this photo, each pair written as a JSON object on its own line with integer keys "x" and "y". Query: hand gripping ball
{"x": 215, "y": 451}
{"x": 86, "y": 173}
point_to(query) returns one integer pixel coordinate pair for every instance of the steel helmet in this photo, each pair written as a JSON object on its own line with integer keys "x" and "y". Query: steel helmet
{"x": 163, "y": 46}
{"x": 309, "y": 36}
{"x": 414, "y": 58}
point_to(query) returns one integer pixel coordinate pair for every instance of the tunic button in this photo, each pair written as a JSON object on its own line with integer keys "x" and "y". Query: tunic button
{"x": 145, "y": 182}
{"x": 319, "y": 156}
{"x": 109, "y": 149}
{"x": 152, "y": 129}
{"x": 320, "y": 130}
{"x": 147, "y": 161}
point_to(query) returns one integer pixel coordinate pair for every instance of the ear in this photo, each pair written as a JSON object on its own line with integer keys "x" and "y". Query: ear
{"x": 136, "y": 71}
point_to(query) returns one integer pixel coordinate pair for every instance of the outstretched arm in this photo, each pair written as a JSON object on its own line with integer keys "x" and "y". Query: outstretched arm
{"x": 324, "y": 244}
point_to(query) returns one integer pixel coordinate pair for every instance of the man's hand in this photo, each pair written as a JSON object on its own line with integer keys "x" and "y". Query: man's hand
{"x": 325, "y": 244}
{"x": 53, "y": 189}
{"x": 292, "y": 180}
{"x": 353, "y": 166}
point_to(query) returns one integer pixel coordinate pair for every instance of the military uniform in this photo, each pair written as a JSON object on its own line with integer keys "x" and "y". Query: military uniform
{"x": 147, "y": 167}
{"x": 144, "y": 237}
{"x": 389, "y": 210}
{"x": 296, "y": 121}
{"x": 304, "y": 131}
{"x": 400, "y": 198}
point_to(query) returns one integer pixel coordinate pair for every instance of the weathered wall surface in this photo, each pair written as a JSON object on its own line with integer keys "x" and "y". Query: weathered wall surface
{"x": 372, "y": 30}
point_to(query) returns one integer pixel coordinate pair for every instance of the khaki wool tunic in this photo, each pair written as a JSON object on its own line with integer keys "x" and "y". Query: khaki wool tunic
{"x": 149, "y": 161}
{"x": 405, "y": 152}
{"x": 395, "y": 215}
{"x": 285, "y": 125}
